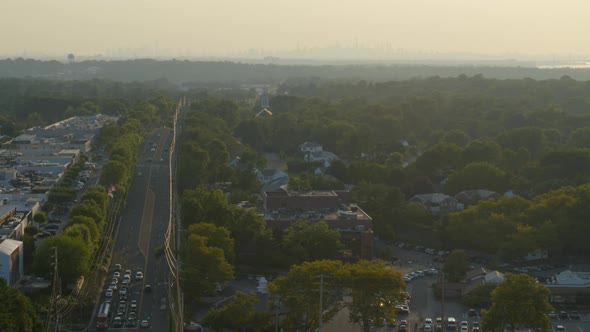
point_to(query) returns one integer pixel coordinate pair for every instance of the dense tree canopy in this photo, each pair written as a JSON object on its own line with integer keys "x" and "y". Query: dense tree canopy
{"x": 16, "y": 312}
{"x": 518, "y": 301}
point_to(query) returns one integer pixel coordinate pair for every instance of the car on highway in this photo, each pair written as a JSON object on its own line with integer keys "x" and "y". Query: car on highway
{"x": 109, "y": 293}
{"x": 113, "y": 286}
{"x": 560, "y": 328}
{"x": 117, "y": 267}
{"x": 403, "y": 326}
{"x": 475, "y": 327}
{"x": 117, "y": 274}
{"x": 121, "y": 311}
{"x": 133, "y": 306}
{"x": 130, "y": 322}
{"x": 123, "y": 291}
{"x": 138, "y": 275}
{"x": 153, "y": 149}
{"x": 126, "y": 280}
{"x": 115, "y": 281}
{"x": 133, "y": 315}
{"x": 144, "y": 324}
{"x": 574, "y": 315}
{"x": 402, "y": 309}
{"x": 148, "y": 288}
{"x": 118, "y": 322}
{"x": 563, "y": 315}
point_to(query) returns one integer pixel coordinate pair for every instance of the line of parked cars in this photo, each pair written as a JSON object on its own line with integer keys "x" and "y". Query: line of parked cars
{"x": 419, "y": 274}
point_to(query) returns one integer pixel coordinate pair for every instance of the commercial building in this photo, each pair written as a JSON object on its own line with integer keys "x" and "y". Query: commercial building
{"x": 282, "y": 208}
{"x": 11, "y": 260}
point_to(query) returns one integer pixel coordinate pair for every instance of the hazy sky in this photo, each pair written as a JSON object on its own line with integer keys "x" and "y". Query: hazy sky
{"x": 225, "y": 27}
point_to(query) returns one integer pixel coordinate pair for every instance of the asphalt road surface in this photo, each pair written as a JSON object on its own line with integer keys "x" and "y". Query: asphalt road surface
{"x": 141, "y": 229}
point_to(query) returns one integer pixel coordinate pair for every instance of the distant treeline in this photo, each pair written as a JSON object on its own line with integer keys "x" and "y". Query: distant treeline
{"x": 239, "y": 73}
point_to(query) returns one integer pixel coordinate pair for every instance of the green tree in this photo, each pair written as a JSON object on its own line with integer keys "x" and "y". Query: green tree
{"x": 16, "y": 311}
{"x": 375, "y": 290}
{"x": 216, "y": 237}
{"x": 456, "y": 265}
{"x": 477, "y": 176}
{"x": 114, "y": 172}
{"x": 40, "y": 217}
{"x": 73, "y": 258}
{"x": 86, "y": 221}
{"x": 238, "y": 314}
{"x": 307, "y": 241}
{"x": 581, "y": 138}
{"x": 483, "y": 150}
{"x": 298, "y": 292}
{"x": 204, "y": 265}
{"x": 81, "y": 232}
{"x": 518, "y": 301}
{"x": 90, "y": 209}
{"x": 457, "y": 136}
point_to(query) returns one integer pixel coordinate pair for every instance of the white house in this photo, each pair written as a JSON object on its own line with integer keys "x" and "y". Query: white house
{"x": 321, "y": 156}
{"x": 308, "y": 147}
{"x": 11, "y": 261}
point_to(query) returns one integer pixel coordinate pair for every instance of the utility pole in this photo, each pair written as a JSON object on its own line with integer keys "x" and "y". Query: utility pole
{"x": 55, "y": 290}
{"x": 442, "y": 302}
{"x": 321, "y": 301}
{"x": 277, "y": 308}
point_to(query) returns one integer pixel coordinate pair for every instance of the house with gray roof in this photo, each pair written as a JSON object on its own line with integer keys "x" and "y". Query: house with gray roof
{"x": 438, "y": 203}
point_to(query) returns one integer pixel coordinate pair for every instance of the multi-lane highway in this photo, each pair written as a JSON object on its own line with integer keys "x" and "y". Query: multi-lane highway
{"x": 141, "y": 229}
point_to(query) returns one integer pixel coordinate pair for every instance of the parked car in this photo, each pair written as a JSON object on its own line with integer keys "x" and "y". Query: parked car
{"x": 574, "y": 315}
{"x": 560, "y": 328}
{"x": 563, "y": 315}
{"x": 52, "y": 226}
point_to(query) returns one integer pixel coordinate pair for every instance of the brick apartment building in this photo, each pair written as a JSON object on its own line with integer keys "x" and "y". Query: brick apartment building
{"x": 283, "y": 207}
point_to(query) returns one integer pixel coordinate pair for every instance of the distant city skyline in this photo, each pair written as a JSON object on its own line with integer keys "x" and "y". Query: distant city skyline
{"x": 336, "y": 29}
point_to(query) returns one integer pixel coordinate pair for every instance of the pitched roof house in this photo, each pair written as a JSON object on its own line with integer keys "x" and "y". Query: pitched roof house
{"x": 438, "y": 203}
{"x": 472, "y": 196}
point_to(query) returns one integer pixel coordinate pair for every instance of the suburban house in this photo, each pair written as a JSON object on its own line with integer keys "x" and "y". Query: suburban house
{"x": 308, "y": 147}
{"x": 314, "y": 152}
{"x": 283, "y": 207}
{"x": 263, "y": 113}
{"x": 473, "y": 279}
{"x": 438, "y": 203}
{"x": 472, "y": 196}
{"x": 271, "y": 179}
